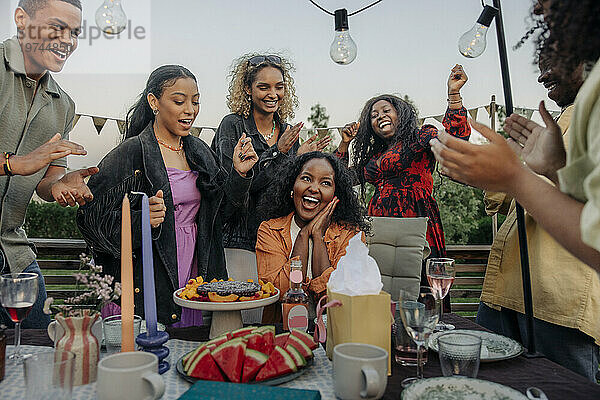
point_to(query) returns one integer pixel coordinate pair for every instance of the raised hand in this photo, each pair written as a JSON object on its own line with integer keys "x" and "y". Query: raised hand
{"x": 157, "y": 209}
{"x": 244, "y": 156}
{"x": 541, "y": 148}
{"x": 349, "y": 131}
{"x": 311, "y": 144}
{"x": 457, "y": 79}
{"x": 289, "y": 137}
{"x": 41, "y": 157}
{"x": 319, "y": 224}
{"x": 71, "y": 188}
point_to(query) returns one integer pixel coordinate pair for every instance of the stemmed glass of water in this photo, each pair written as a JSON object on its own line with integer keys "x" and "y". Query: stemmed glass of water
{"x": 419, "y": 315}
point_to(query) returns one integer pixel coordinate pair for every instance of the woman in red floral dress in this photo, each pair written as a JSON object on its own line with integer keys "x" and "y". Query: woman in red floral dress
{"x": 393, "y": 154}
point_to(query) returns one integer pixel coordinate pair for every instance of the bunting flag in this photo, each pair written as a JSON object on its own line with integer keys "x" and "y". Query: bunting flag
{"x": 473, "y": 113}
{"x": 527, "y": 112}
{"x": 195, "y": 131}
{"x": 75, "y": 120}
{"x": 421, "y": 121}
{"x": 555, "y": 114}
{"x": 439, "y": 118}
{"x": 121, "y": 125}
{"x": 99, "y": 123}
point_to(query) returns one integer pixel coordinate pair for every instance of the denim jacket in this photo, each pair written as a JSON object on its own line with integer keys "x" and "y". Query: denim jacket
{"x": 240, "y": 233}
{"x": 136, "y": 165}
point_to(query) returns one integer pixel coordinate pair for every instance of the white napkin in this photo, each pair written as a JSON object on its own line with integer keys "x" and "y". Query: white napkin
{"x": 357, "y": 273}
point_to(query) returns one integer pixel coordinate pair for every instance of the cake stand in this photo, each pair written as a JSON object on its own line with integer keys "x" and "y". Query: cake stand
{"x": 226, "y": 316}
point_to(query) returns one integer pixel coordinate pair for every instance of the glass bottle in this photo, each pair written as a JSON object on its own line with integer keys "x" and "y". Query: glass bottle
{"x": 294, "y": 303}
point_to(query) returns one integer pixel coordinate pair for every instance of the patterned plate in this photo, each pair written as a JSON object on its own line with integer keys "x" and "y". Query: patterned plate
{"x": 494, "y": 347}
{"x": 269, "y": 382}
{"x": 459, "y": 388}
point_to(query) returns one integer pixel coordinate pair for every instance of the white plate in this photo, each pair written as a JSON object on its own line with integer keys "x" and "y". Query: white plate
{"x": 231, "y": 306}
{"x": 494, "y": 347}
{"x": 459, "y": 388}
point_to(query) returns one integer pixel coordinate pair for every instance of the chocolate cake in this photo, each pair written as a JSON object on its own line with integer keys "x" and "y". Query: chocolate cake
{"x": 226, "y": 288}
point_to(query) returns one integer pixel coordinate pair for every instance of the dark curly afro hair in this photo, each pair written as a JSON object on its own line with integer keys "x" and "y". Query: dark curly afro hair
{"x": 349, "y": 212}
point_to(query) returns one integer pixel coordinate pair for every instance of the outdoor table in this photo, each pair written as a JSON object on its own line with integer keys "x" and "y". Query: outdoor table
{"x": 519, "y": 373}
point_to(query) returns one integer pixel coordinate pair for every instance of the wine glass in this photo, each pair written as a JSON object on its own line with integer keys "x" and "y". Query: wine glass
{"x": 440, "y": 274}
{"x": 419, "y": 315}
{"x": 18, "y": 293}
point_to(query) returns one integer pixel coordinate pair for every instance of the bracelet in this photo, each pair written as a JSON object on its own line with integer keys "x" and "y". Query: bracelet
{"x": 449, "y": 94}
{"x": 7, "y": 169}
{"x": 454, "y": 101}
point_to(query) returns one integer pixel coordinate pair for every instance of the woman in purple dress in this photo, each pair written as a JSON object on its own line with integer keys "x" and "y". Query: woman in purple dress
{"x": 191, "y": 195}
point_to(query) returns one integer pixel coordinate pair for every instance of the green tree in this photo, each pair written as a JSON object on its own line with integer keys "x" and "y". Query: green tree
{"x": 318, "y": 116}
{"x": 50, "y": 220}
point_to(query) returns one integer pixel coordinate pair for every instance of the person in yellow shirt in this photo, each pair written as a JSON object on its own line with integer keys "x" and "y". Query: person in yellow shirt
{"x": 566, "y": 300}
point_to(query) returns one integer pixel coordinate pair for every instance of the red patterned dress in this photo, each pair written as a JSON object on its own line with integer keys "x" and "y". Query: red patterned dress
{"x": 403, "y": 180}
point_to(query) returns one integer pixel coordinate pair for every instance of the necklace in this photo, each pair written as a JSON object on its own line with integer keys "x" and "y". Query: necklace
{"x": 269, "y": 136}
{"x": 176, "y": 149}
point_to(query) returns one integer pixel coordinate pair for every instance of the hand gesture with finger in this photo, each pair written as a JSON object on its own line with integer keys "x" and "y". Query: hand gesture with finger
{"x": 71, "y": 189}
{"x": 157, "y": 209}
{"x": 311, "y": 144}
{"x": 289, "y": 137}
{"x": 541, "y": 148}
{"x": 41, "y": 157}
{"x": 244, "y": 156}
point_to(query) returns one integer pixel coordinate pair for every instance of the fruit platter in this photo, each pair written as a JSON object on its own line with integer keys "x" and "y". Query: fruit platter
{"x": 227, "y": 314}
{"x": 252, "y": 355}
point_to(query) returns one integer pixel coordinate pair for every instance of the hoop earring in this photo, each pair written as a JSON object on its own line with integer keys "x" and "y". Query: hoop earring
{"x": 155, "y": 111}
{"x": 292, "y": 194}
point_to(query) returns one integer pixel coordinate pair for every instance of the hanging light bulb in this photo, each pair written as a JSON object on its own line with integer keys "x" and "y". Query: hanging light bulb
{"x": 111, "y": 18}
{"x": 472, "y": 43}
{"x": 343, "y": 49}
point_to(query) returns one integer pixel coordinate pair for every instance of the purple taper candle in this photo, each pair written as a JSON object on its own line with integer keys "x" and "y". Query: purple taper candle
{"x": 148, "y": 267}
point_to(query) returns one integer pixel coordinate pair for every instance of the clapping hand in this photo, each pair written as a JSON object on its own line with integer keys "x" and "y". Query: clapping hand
{"x": 311, "y": 144}
{"x": 541, "y": 148}
{"x": 244, "y": 156}
{"x": 41, "y": 157}
{"x": 289, "y": 137}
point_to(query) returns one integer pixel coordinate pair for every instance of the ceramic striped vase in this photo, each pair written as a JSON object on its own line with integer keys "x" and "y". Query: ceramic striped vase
{"x": 78, "y": 338}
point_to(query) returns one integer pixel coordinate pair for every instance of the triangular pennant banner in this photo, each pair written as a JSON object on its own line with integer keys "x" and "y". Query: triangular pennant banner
{"x": 99, "y": 123}
{"x": 421, "y": 120}
{"x": 554, "y": 113}
{"x": 121, "y": 125}
{"x": 439, "y": 118}
{"x": 487, "y": 108}
{"x": 76, "y": 119}
{"x": 473, "y": 113}
{"x": 195, "y": 131}
{"x": 527, "y": 112}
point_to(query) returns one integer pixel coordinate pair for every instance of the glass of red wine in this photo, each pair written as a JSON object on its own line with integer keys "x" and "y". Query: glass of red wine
{"x": 18, "y": 293}
{"x": 440, "y": 274}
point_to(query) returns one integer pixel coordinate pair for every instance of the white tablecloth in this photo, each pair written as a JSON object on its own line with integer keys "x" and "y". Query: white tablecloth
{"x": 317, "y": 377}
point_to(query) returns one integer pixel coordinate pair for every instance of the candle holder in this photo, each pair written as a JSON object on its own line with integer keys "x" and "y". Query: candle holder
{"x": 155, "y": 344}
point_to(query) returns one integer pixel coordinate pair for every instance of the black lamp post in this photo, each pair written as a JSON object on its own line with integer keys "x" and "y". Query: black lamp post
{"x": 482, "y": 23}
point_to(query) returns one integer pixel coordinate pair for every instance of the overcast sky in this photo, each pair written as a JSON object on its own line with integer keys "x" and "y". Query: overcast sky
{"x": 404, "y": 46}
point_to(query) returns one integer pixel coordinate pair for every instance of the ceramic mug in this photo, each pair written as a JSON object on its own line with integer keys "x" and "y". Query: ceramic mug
{"x": 359, "y": 371}
{"x": 132, "y": 376}
{"x": 55, "y": 331}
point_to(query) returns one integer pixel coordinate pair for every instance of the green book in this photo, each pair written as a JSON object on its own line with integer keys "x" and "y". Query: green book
{"x": 208, "y": 390}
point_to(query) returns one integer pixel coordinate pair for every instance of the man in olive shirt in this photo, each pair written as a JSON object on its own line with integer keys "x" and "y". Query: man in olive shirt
{"x": 36, "y": 116}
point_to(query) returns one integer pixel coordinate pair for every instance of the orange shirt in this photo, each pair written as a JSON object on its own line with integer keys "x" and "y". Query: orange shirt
{"x": 273, "y": 248}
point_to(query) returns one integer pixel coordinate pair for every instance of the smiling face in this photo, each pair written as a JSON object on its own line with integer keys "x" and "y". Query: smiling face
{"x": 267, "y": 90}
{"x": 313, "y": 189}
{"x": 49, "y": 37}
{"x": 562, "y": 91}
{"x": 384, "y": 119}
{"x": 177, "y": 107}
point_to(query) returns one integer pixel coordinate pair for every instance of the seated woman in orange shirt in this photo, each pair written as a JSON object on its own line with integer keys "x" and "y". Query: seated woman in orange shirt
{"x": 310, "y": 212}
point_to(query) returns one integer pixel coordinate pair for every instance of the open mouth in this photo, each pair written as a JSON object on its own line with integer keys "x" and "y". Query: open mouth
{"x": 186, "y": 123}
{"x": 270, "y": 103}
{"x": 384, "y": 124}
{"x": 60, "y": 54}
{"x": 310, "y": 203}
{"x": 550, "y": 86}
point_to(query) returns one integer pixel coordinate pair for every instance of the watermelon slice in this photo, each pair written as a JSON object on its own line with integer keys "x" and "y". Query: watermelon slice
{"x": 298, "y": 359}
{"x": 281, "y": 339}
{"x": 242, "y": 331}
{"x": 253, "y": 362}
{"x": 256, "y": 341}
{"x": 219, "y": 340}
{"x": 204, "y": 367}
{"x": 300, "y": 346}
{"x": 268, "y": 333}
{"x": 279, "y": 363}
{"x": 230, "y": 357}
{"x": 191, "y": 356}
{"x": 305, "y": 337}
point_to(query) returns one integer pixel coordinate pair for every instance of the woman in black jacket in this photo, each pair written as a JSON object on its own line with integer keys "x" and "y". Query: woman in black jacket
{"x": 160, "y": 158}
{"x": 261, "y": 98}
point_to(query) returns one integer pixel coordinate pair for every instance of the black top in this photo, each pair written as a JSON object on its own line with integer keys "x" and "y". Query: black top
{"x": 240, "y": 233}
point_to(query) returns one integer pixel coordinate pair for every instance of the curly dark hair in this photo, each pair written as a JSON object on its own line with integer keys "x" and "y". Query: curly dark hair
{"x": 571, "y": 34}
{"x": 349, "y": 212}
{"x": 367, "y": 143}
